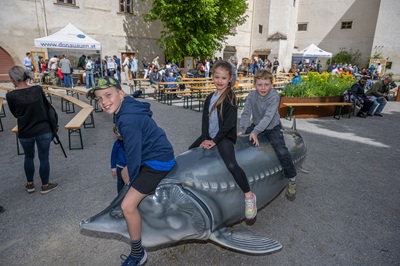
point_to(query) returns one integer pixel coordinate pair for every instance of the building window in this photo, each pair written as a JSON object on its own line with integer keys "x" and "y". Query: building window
{"x": 294, "y": 3}
{"x": 347, "y": 25}
{"x": 260, "y": 28}
{"x": 68, "y": 2}
{"x": 302, "y": 27}
{"x": 125, "y": 6}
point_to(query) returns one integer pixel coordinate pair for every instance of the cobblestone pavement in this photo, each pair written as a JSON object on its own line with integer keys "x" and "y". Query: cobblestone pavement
{"x": 347, "y": 211}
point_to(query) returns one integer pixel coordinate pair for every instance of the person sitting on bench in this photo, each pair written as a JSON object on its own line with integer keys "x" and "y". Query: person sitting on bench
{"x": 358, "y": 91}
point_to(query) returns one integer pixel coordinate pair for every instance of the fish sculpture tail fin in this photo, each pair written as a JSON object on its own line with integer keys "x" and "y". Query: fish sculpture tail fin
{"x": 244, "y": 240}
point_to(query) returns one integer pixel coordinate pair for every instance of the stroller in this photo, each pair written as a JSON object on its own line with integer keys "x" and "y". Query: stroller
{"x": 193, "y": 73}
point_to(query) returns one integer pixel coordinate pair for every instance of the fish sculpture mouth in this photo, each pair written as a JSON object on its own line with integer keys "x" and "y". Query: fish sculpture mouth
{"x": 199, "y": 199}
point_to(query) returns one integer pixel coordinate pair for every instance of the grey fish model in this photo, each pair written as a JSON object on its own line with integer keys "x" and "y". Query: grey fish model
{"x": 200, "y": 200}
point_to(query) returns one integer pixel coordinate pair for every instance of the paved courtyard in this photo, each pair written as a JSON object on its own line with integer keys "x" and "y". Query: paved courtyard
{"x": 347, "y": 211}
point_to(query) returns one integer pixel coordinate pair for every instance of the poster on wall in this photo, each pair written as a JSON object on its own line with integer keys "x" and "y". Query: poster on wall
{"x": 379, "y": 64}
{"x": 188, "y": 62}
{"x": 35, "y": 59}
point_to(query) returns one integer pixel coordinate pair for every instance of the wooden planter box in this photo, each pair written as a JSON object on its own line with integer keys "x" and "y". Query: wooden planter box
{"x": 309, "y": 112}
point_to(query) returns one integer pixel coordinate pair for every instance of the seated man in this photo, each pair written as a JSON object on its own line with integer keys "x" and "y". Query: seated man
{"x": 378, "y": 93}
{"x": 358, "y": 91}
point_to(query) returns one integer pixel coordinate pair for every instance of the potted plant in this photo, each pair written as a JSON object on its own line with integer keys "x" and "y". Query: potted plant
{"x": 316, "y": 87}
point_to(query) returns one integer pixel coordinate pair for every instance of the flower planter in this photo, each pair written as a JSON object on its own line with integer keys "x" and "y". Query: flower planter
{"x": 309, "y": 112}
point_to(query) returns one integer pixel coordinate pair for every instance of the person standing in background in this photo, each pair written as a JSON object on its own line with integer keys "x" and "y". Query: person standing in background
{"x": 81, "y": 62}
{"x": 27, "y": 104}
{"x": 65, "y": 66}
{"x": 126, "y": 66}
{"x": 89, "y": 66}
{"x": 134, "y": 66}
{"x": 28, "y": 62}
{"x": 118, "y": 63}
{"x": 275, "y": 66}
{"x": 53, "y": 67}
{"x": 145, "y": 67}
{"x": 155, "y": 61}
{"x": 206, "y": 68}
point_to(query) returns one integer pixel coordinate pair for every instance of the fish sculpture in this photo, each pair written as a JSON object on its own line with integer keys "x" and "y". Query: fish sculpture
{"x": 200, "y": 200}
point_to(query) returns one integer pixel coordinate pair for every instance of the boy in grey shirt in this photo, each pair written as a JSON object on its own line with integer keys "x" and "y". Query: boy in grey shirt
{"x": 260, "y": 116}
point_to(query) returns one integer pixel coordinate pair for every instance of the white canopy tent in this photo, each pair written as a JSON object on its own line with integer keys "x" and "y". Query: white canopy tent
{"x": 70, "y": 37}
{"x": 312, "y": 51}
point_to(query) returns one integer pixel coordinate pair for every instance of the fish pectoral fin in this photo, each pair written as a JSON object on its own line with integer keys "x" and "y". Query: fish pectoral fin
{"x": 242, "y": 239}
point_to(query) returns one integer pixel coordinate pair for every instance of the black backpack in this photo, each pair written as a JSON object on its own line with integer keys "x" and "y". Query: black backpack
{"x": 349, "y": 97}
{"x": 52, "y": 118}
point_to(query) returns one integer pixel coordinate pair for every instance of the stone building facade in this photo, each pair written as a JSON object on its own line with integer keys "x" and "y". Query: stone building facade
{"x": 274, "y": 28}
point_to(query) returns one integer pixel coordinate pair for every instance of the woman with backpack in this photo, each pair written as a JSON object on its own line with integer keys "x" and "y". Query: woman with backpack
{"x": 27, "y": 104}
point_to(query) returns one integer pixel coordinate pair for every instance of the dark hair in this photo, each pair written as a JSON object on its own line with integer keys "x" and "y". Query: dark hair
{"x": 228, "y": 93}
{"x": 19, "y": 74}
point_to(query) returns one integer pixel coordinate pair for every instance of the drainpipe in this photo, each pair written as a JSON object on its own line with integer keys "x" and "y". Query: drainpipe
{"x": 252, "y": 30}
{"x": 44, "y": 19}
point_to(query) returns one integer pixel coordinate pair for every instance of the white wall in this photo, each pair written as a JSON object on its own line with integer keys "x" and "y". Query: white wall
{"x": 387, "y": 33}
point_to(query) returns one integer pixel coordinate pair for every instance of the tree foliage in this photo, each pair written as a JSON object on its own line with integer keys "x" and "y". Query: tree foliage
{"x": 196, "y": 28}
{"x": 349, "y": 57}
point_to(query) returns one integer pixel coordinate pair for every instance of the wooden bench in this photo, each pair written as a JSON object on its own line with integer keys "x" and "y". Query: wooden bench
{"x": 241, "y": 98}
{"x": 138, "y": 85}
{"x": 164, "y": 97}
{"x": 75, "y": 124}
{"x": 2, "y": 113}
{"x": 15, "y": 131}
{"x": 338, "y": 107}
{"x": 65, "y": 105}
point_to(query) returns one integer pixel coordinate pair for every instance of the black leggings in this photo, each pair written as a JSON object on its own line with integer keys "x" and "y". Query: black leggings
{"x": 227, "y": 151}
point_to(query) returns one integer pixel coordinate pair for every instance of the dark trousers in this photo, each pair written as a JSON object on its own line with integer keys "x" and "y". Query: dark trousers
{"x": 366, "y": 105}
{"x": 120, "y": 182}
{"x": 277, "y": 141}
{"x": 227, "y": 151}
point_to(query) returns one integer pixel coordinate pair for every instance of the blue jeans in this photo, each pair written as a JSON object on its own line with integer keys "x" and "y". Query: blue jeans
{"x": 43, "y": 146}
{"x": 67, "y": 80}
{"x": 120, "y": 182}
{"x": 277, "y": 141}
{"x": 381, "y": 101}
{"x": 119, "y": 75}
{"x": 89, "y": 78}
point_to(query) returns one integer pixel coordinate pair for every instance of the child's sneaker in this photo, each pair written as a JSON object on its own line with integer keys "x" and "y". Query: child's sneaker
{"x": 30, "y": 188}
{"x": 48, "y": 188}
{"x": 291, "y": 190}
{"x": 251, "y": 207}
{"x": 131, "y": 261}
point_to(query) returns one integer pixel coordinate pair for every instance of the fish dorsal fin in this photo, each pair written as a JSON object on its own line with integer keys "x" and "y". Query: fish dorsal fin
{"x": 242, "y": 239}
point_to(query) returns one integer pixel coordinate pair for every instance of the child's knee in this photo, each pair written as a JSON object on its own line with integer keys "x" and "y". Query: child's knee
{"x": 128, "y": 208}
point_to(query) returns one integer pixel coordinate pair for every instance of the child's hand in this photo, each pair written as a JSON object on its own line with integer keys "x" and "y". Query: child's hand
{"x": 207, "y": 144}
{"x": 254, "y": 139}
{"x": 239, "y": 133}
{"x": 114, "y": 172}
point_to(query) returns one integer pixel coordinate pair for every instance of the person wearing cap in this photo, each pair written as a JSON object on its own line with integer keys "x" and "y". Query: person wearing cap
{"x": 378, "y": 93}
{"x": 149, "y": 154}
{"x": 359, "y": 93}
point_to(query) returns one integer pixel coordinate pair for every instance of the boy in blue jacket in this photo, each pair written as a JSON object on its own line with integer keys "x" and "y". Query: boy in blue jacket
{"x": 118, "y": 160}
{"x": 149, "y": 155}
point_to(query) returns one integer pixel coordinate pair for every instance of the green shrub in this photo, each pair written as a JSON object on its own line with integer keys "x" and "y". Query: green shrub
{"x": 319, "y": 85}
